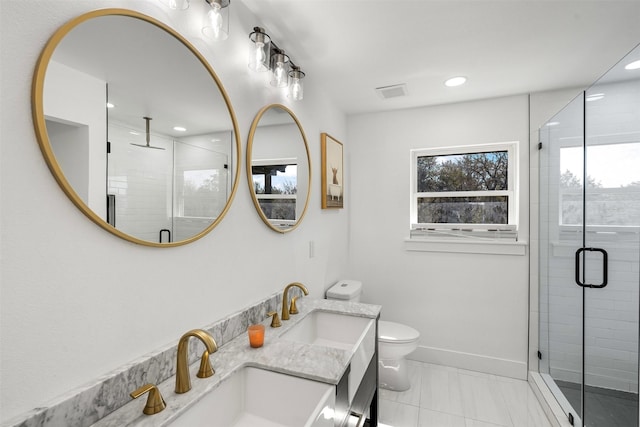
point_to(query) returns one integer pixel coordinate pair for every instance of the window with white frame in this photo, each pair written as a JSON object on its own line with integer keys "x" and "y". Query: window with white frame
{"x": 465, "y": 191}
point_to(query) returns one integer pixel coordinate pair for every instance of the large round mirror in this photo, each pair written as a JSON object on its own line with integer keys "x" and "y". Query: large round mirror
{"x": 279, "y": 167}
{"x": 136, "y": 127}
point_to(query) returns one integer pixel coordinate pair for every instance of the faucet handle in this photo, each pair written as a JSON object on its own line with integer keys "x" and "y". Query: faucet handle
{"x": 275, "y": 321}
{"x": 293, "y": 309}
{"x": 206, "y": 370}
{"x": 155, "y": 402}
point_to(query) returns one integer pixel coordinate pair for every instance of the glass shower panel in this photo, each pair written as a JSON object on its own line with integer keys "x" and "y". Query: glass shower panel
{"x": 590, "y": 251}
{"x": 612, "y": 223}
{"x": 561, "y": 213}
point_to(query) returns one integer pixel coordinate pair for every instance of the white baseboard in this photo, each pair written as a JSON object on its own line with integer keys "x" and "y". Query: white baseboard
{"x": 473, "y": 362}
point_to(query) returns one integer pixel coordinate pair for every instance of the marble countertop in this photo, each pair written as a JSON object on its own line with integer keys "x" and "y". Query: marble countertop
{"x": 317, "y": 363}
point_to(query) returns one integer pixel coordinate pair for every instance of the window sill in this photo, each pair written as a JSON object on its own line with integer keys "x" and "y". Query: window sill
{"x": 466, "y": 246}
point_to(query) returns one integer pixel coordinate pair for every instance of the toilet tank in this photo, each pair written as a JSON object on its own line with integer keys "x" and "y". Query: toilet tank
{"x": 347, "y": 290}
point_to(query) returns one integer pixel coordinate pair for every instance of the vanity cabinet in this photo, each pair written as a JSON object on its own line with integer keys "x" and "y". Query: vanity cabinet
{"x": 353, "y": 412}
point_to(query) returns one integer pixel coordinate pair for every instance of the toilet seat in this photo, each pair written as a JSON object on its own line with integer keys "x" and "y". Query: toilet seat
{"x": 392, "y": 332}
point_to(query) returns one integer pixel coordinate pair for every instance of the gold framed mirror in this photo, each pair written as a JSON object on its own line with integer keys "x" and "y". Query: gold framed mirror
{"x": 279, "y": 168}
{"x": 136, "y": 127}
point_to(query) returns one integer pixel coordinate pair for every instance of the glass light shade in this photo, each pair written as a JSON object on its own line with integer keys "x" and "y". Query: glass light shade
{"x": 215, "y": 24}
{"x": 176, "y": 4}
{"x": 279, "y": 70}
{"x": 259, "y": 50}
{"x": 296, "y": 87}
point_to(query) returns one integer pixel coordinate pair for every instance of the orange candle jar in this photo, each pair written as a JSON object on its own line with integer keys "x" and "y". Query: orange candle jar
{"x": 256, "y": 335}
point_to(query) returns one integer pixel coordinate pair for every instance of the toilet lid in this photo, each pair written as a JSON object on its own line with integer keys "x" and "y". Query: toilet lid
{"x": 396, "y": 332}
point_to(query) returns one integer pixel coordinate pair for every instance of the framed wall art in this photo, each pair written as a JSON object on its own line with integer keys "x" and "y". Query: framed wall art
{"x": 332, "y": 172}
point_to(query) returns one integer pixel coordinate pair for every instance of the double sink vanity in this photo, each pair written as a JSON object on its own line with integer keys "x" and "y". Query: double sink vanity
{"x": 319, "y": 369}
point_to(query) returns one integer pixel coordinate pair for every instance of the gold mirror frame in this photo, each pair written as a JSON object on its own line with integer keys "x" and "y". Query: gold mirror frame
{"x": 252, "y": 132}
{"x": 44, "y": 142}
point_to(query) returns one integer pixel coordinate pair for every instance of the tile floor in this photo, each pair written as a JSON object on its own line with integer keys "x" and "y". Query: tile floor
{"x": 605, "y": 408}
{"x": 442, "y": 396}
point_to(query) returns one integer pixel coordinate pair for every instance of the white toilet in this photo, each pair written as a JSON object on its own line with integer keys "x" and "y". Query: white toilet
{"x": 395, "y": 340}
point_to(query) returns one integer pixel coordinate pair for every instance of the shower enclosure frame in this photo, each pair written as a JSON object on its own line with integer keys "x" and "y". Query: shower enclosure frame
{"x": 596, "y": 136}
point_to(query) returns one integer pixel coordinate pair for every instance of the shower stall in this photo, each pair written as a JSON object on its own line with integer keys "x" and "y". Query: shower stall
{"x": 589, "y": 260}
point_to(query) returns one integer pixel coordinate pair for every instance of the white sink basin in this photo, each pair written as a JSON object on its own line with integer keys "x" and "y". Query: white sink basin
{"x": 328, "y": 329}
{"x": 255, "y": 397}
{"x": 351, "y": 333}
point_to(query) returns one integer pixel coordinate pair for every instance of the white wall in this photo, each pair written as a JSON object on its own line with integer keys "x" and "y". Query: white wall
{"x": 78, "y": 302}
{"x": 78, "y": 99}
{"x": 470, "y": 309}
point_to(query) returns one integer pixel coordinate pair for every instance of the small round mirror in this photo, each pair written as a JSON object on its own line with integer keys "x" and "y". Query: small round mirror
{"x": 279, "y": 168}
{"x": 136, "y": 127}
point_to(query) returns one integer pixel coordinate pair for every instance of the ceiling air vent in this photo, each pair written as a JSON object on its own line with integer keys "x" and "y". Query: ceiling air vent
{"x": 394, "y": 91}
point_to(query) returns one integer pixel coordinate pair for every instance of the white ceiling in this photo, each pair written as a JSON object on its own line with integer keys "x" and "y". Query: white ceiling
{"x": 350, "y": 47}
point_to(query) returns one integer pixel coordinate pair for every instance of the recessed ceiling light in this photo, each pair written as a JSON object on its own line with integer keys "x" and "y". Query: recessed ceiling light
{"x": 633, "y": 65}
{"x": 110, "y": 105}
{"x": 179, "y": 128}
{"x": 455, "y": 81}
{"x": 595, "y": 97}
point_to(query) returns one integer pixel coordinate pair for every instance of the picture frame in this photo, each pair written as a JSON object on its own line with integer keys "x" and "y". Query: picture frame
{"x": 332, "y": 172}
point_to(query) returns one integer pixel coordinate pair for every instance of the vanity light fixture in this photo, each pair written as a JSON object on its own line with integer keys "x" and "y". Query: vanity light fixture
{"x": 296, "y": 88}
{"x": 176, "y": 4}
{"x": 265, "y": 55}
{"x": 259, "y": 50}
{"x": 215, "y": 23}
{"x": 279, "y": 68}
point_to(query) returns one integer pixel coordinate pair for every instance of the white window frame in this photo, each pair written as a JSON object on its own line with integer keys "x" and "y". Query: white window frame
{"x": 457, "y": 230}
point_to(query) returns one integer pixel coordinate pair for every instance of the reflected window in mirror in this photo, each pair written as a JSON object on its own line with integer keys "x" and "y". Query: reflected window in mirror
{"x": 275, "y": 183}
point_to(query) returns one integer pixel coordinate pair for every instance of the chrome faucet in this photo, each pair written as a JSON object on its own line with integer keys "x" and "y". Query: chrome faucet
{"x": 183, "y": 382}
{"x": 285, "y": 298}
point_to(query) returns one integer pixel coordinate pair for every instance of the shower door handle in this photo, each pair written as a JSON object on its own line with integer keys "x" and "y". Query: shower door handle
{"x": 605, "y": 267}
{"x": 165, "y": 230}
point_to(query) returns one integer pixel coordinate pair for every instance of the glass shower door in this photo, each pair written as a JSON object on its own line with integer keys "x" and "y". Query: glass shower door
{"x": 612, "y": 250}
{"x": 590, "y": 251}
